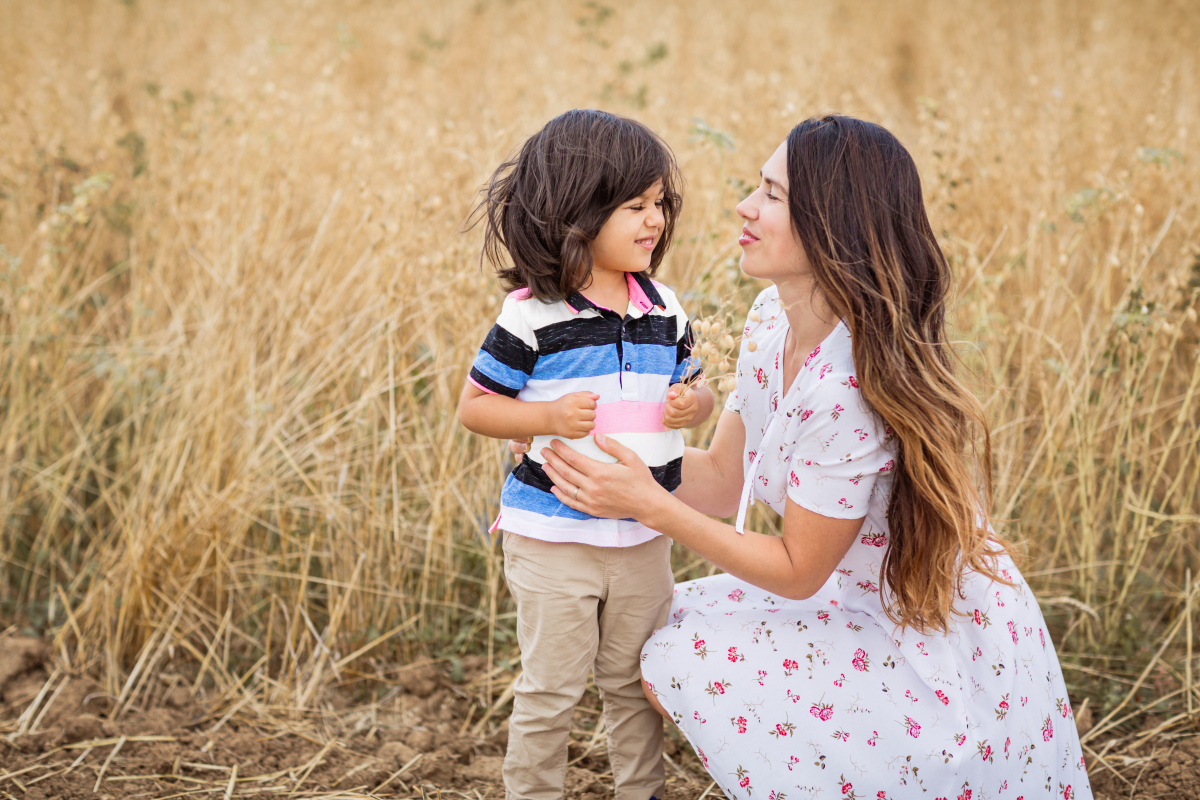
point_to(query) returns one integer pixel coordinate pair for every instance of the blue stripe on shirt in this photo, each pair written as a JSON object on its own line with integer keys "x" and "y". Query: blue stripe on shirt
{"x": 597, "y": 360}
{"x": 500, "y": 373}
{"x": 683, "y": 369}
{"x": 529, "y": 498}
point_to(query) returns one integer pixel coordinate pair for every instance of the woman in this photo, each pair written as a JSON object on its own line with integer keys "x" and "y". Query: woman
{"x": 885, "y": 645}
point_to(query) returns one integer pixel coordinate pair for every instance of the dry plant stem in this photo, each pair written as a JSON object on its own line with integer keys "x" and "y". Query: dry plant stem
{"x": 1187, "y": 659}
{"x": 49, "y": 703}
{"x": 23, "y": 722}
{"x": 104, "y": 767}
{"x": 1100, "y": 727}
{"x": 504, "y": 697}
{"x": 232, "y": 782}
{"x": 396, "y": 775}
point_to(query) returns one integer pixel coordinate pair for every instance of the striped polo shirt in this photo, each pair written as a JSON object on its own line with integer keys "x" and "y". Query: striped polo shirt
{"x": 541, "y": 351}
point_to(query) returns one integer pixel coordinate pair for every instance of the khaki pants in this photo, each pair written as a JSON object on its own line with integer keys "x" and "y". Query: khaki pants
{"x": 581, "y": 607}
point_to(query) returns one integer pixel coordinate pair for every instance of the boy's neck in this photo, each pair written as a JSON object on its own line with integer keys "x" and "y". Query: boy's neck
{"x": 608, "y": 288}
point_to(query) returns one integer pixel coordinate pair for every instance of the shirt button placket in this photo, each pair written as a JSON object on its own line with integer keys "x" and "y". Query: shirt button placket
{"x": 629, "y": 387}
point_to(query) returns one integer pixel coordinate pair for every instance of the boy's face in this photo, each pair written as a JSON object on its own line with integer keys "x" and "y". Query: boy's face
{"x": 627, "y": 240}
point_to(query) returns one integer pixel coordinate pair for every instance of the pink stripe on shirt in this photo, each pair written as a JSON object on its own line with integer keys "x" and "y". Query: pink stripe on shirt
{"x": 480, "y": 386}
{"x": 628, "y": 416}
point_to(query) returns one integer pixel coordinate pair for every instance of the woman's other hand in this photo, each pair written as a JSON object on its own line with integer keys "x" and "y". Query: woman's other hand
{"x": 624, "y": 490}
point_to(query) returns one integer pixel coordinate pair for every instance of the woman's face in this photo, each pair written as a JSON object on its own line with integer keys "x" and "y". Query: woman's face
{"x": 770, "y": 248}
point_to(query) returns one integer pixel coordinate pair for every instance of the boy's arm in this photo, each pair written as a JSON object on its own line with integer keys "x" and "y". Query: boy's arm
{"x": 572, "y": 416}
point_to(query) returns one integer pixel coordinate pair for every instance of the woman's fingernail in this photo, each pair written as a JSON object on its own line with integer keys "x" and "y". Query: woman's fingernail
{"x": 601, "y": 439}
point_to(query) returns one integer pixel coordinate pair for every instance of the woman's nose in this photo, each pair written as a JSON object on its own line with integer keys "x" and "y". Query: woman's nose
{"x": 745, "y": 209}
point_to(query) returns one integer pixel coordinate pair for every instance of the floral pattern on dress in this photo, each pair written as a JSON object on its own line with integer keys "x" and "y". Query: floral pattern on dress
{"x": 981, "y": 712}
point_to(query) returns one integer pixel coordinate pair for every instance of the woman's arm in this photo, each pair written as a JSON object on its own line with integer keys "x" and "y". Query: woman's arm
{"x": 712, "y": 478}
{"x": 795, "y": 565}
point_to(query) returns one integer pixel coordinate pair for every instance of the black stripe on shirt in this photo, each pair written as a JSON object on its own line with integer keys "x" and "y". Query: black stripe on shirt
{"x": 683, "y": 348}
{"x": 531, "y": 473}
{"x": 510, "y": 350}
{"x": 591, "y": 331}
{"x": 491, "y": 385}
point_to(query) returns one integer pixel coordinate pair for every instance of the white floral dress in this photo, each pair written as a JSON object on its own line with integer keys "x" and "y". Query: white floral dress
{"x": 824, "y": 697}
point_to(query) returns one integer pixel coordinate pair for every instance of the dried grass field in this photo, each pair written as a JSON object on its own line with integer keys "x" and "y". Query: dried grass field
{"x": 237, "y": 307}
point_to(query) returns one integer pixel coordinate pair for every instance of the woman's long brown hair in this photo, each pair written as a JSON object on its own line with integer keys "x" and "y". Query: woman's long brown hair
{"x": 855, "y": 201}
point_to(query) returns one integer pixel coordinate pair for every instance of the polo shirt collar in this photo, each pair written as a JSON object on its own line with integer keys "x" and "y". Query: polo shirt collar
{"x": 642, "y": 294}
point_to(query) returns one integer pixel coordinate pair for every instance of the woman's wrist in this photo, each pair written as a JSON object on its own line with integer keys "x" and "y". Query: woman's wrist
{"x": 657, "y": 512}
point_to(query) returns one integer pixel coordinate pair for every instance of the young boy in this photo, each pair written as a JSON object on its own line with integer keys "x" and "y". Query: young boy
{"x": 586, "y": 344}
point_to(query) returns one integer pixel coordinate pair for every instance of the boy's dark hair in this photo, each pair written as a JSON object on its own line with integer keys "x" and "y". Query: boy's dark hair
{"x": 547, "y": 205}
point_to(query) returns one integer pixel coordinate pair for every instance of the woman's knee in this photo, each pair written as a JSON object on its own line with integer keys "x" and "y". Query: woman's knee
{"x": 653, "y": 700}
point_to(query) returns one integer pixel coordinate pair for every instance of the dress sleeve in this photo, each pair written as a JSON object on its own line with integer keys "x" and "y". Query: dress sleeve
{"x": 746, "y": 371}
{"x": 841, "y": 450}
{"x": 732, "y": 403}
{"x": 509, "y": 353}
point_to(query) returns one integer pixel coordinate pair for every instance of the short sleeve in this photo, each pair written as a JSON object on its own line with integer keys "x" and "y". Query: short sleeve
{"x": 509, "y": 353}
{"x": 732, "y": 402}
{"x": 687, "y": 364}
{"x": 841, "y": 449}
{"x": 754, "y": 321}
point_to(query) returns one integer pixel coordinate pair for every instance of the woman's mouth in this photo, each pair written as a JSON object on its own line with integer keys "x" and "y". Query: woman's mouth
{"x": 747, "y": 238}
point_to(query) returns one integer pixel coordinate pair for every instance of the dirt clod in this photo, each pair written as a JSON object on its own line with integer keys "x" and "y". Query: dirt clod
{"x": 177, "y": 697}
{"x": 438, "y": 768}
{"x": 395, "y": 754}
{"x": 422, "y": 681}
{"x": 420, "y": 739}
{"x": 84, "y": 726}
{"x": 581, "y": 781}
{"x": 485, "y": 768}
{"x": 18, "y": 655}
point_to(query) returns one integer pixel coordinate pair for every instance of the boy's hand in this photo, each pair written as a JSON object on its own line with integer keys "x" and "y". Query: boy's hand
{"x": 681, "y": 407}
{"x": 519, "y": 447}
{"x": 573, "y": 416}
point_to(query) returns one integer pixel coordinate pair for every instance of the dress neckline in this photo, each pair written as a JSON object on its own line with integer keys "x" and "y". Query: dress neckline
{"x": 776, "y": 377}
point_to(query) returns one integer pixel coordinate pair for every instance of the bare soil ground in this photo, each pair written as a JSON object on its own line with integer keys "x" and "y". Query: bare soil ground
{"x": 419, "y": 741}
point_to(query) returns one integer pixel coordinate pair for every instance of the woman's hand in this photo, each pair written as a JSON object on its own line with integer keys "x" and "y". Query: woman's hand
{"x": 622, "y": 490}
